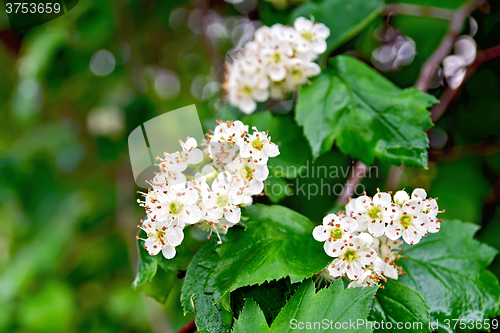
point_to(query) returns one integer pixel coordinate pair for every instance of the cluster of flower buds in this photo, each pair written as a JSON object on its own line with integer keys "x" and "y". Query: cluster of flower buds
{"x": 364, "y": 240}
{"x": 212, "y": 193}
{"x": 279, "y": 59}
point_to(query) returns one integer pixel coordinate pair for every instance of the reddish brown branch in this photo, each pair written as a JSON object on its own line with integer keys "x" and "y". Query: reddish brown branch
{"x": 188, "y": 328}
{"x": 357, "y": 175}
{"x": 444, "y": 48}
{"x": 417, "y": 10}
{"x": 450, "y": 94}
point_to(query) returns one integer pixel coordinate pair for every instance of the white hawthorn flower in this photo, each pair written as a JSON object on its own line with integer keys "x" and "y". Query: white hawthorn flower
{"x": 245, "y": 89}
{"x": 248, "y": 176}
{"x": 161, "y": 238}
{"x": 407, "y": 221}
{"x": 311, "y": 37}
{"x": 299, "y": 72}
{"x": 222, "y": 201}
{"x": 335, "y": 229}
{"x": 369, "y": 213}
{"x": 179, "y": 161}
{"x": 279, "y": 59}
{"x": 231, "y": 132}
{"x": 178, "y": 208}
{"x": 259, "y": 147}
{"x": 352, "y": 256}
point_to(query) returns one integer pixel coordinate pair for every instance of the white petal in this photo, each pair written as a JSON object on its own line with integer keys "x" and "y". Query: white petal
{"x": 175, "y": 236}
{"x": 261, "y": 172}
{"x": 195, "y": 156}
{"x": 365, "y": 239}
{"x": 272, "y": 150}
{"x": 255, "y": 186}
{"x": 334, "y": 248}
{"x": 302, "y": 24}
{"x": 261, "y": 95}
{"x": 419, "y": 194}
{"x": 377, "y": 228}
{"x": 321, "y": 30}
{"x": 189, "y": 196}
{"x": 233, "y": 214}
{"x": 456, "y": 80}
{"x": 465, "y": 46}
{"x": 152, "y": 246}
{"x": 320, "y": 233}
{"x": 247, "y": 105}
{"x": 192, "y": 214}
{"x": 277, "y": 73}
{"x": 392, "y": 233}
{"x": 412, "y": 207}
{"x": 410, "y": 237}
{"x": 190, "y": 144}
{"x": 319, "y": 46}
{"x": 382, "y": 199}
{"x": 401, "y": 197}
{"x": 168, "y": 252}
{"x": 338, "y": 269}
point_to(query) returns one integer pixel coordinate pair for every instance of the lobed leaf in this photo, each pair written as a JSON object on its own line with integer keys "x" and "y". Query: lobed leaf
{"x": 400, "y": 305}
{"x": 317, "y": 312}
{"x": 155, "y": 281}
{"x": 277, "y": 243}
{"x": 365, "y": 114}
{"x": 449, "y": 270}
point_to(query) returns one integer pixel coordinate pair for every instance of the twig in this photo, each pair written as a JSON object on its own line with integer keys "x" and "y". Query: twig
{"x": 394, "y": 177}
{"x": 417, "y": 10}
{"x": 450, "y": 94}
{"x": 455, "y": 153}
{"x": 357, "y": 175}
{"x": 444, "y": 48}
{"x": 188, "y": 328}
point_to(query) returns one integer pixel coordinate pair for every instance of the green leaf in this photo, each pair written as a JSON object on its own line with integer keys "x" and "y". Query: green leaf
{"x": 449, "y": 270}
{"x": 147, "y": 265}
{"x": 365, "y": 115}
{"x": 398, "y": 303}
{"x": 197, "y": 292}
{"x": 155, "y": 281}
{"x": 251, "y": 319}
{"x": 277, "y": 188}
{"x": 277, "y": 243}
{"x": 345, "y": 18}
{"x": 294, "y": 151}
{"x": 270, "y": 296}
{"x": 314, "y": 312}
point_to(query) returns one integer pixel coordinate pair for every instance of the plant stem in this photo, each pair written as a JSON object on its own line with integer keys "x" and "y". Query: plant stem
{"x": 357, "y": 175}
{"x": 417, "y": 10}
{"x": 188, "y": 328}
{"x": 444, "y": 48}
{"x": 450, "y": 94}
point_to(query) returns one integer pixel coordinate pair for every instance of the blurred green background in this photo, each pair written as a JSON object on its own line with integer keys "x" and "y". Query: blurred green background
{"x": 73, "y": 89}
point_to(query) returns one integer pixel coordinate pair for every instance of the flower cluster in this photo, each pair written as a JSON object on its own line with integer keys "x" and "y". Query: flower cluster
{"x": 279, "y": 59}
{"x": 364, "y": 239}
{"x": 211, "y": 196}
